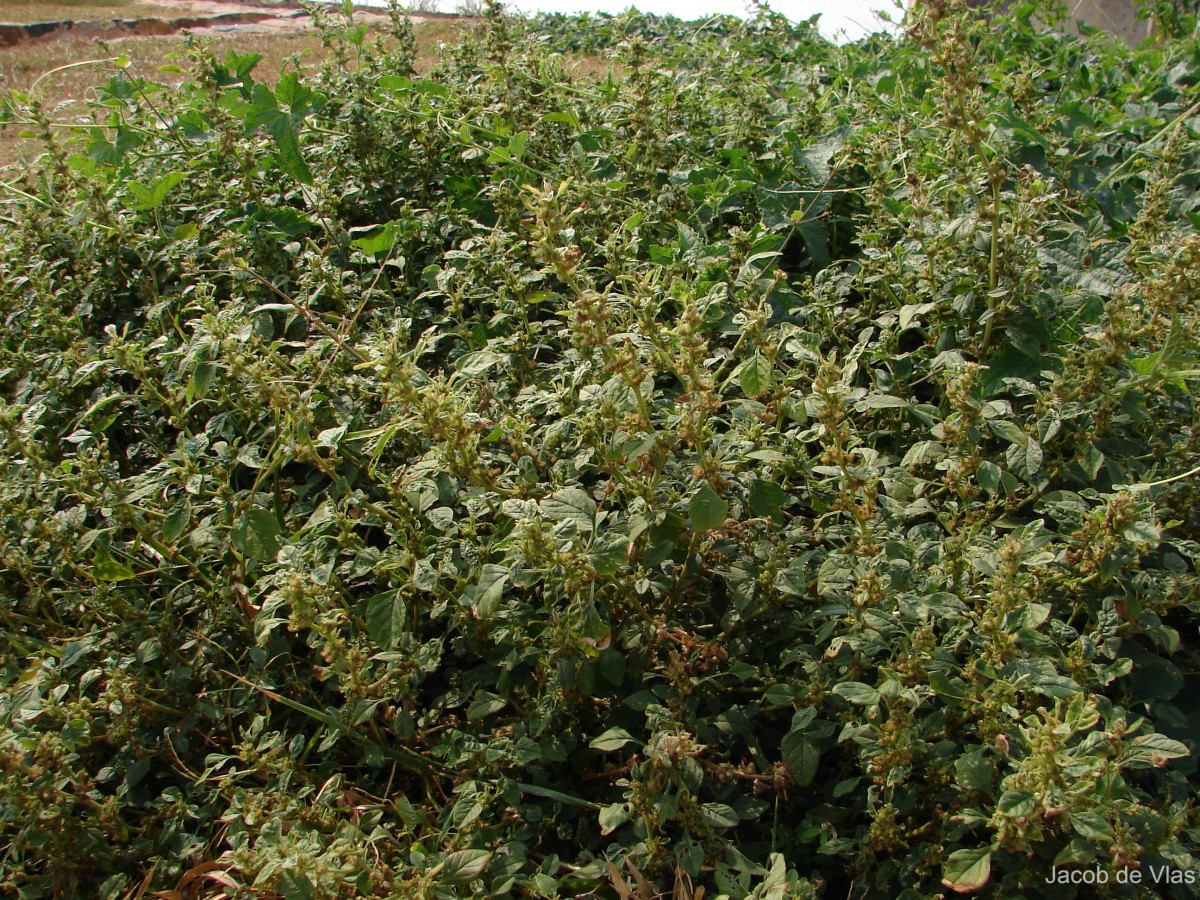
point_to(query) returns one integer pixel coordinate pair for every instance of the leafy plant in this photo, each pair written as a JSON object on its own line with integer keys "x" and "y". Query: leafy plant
{"x": 768, "y": 468}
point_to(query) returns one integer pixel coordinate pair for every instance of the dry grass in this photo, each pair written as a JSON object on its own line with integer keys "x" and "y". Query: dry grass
{"x": 19, "y": 11}
{"x": 63, "y": 91}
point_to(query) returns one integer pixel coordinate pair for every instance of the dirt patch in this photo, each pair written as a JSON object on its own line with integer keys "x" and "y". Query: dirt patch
{"x": 13, "y": 35}
{"x": 199, "y": 16}
{"x": 62, "y": 73}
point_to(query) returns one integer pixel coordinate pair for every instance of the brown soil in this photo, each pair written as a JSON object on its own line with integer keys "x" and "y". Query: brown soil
{"x": 61, "y": 65}
{"x": 166, "y": 17}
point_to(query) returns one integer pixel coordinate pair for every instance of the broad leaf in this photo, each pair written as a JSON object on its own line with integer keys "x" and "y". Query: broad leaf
{"x": 385, "y": 618}
{"x": 801, "y": 756}
{"x": 256, "y": 534}
{"x": 706, "y": 510}
{"x": 612, "y": 739}
{"x": 755, "y": 376}
{"x": 573, "y": 505}
{"x": 966, "y": 871}
{"x": 766, "y": 499}
{"x": 464, "y": 866}
{"x": 105, "y": 568}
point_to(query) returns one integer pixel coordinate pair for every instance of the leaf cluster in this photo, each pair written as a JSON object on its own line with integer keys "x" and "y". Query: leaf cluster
{"x": 771, "y": 466}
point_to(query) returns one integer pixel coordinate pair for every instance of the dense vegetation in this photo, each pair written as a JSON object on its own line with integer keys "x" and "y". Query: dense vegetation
{"x": 769, "y": 467}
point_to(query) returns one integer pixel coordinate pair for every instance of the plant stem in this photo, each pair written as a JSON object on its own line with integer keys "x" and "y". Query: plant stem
{"x": 993, "y": 266}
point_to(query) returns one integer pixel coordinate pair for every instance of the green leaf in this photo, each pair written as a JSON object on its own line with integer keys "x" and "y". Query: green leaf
{"x": 513, "y": 152}
{"x": 464, "y": 866}
{"x": 516, "y": 145}
{"x": 1091, "y": 462}
{"x": 396, "y": 84}
{"x": 612, "y": 739}
{"x": 755, "y": 376}
{"x": 614, "y": 816}
{"x": 85, "y": 165}
{"x": 803, "y": 717}
{"x": 431, "y": 88}
{"x": 545, "y": 885}
{"x": 775, "y": 885}
{"x": 846, "y": 786}
{"x": 955, "y": 688}
{"x": 1009, "y": 432}
{"x": 479, "y": 363}
{"x": 1077, "y": 852}
{"x": 816, "y": 241}
{"x": 377, "y": 241}
{"x": 1016, "y": 804}
{"x": 331, "y": 437}
{"x": 150, "y": 198}
{"x": 965, "y": 871}
{"x": 256, "y": 534}
{"x": 911, "y": 311}
{"x": 485, "y": 705}
{"x": 241, "y": 63}
{"x": 425, "y": 576}
{"x": 801, "y": 756}
{"x": 608, "y": 552}
{"x": 538, "y": 790}
{"x": 718, "y": 815}
{"x": 1154, "y": 750}
{"x": 142, "y": 196}
{"x": 184, "y": 231}
{"x": 612, "y": 666}
{"x": 295, "y": 886}
{"x": 176, "y": 523}
{"x": 265, "y": 114}
{"x": 880, "y": 401}
{"x": 591, "y": 626}
{"x": 490, "y": 590}
{"x": 857, "y": 693}
{"x": 1025, "y": 459}
{"x": 163, "y": 187}
{"x": 201, "y": 381}
{"x": 1093, "y": 826}
{"x": 386, "y": 614}
{"x": 974, "y": 772}
{"x": 289, "y": 157}
{"x": 105, "y": 568}
{"x": 1143, "y": 532}
{"x": 816, "y": 156}
{"x": 766, "y": 499}
{"x": 1162, "y": 746}
{"x": 571, "y": 504}
{"x": 290, "y": 222}
{"x": 1058, "y": 686}
{"x": 706, "y": 510}
{"x": 1033, "y": 457}
{"x": 293, "y": 94}
{"x": 988, "y": 475}
{"x": 793, "y": 580}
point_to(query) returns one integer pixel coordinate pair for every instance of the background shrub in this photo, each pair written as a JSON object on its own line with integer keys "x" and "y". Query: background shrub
{"x": 772, "y": 463}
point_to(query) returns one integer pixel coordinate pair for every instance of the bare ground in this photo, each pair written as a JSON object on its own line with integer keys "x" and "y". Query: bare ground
{"x": 61, "y": 69}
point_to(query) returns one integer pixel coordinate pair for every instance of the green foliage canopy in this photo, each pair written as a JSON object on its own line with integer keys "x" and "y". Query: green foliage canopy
{"x": 772, "y": 464}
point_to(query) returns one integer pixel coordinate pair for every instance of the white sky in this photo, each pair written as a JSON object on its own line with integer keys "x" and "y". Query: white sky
{"x": 839, "y": 18}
